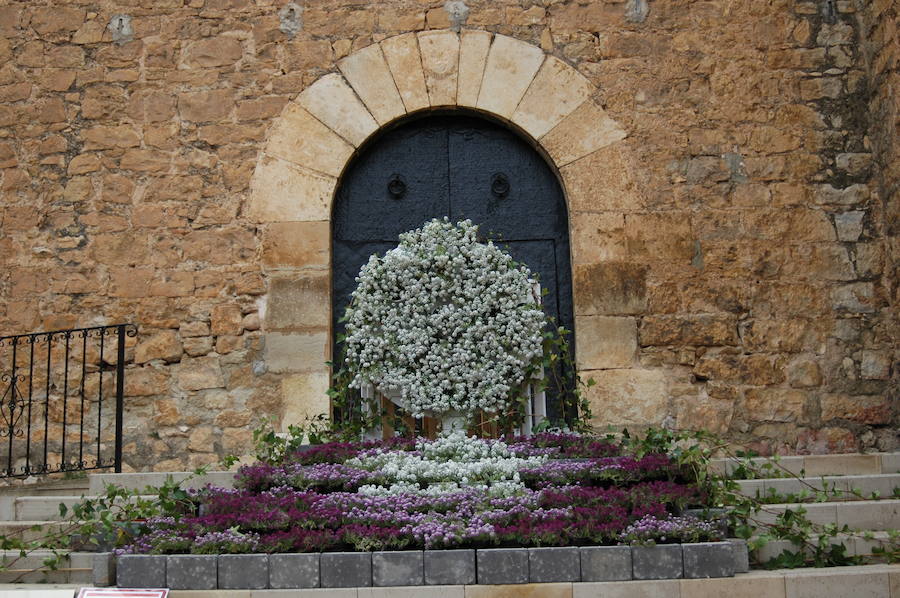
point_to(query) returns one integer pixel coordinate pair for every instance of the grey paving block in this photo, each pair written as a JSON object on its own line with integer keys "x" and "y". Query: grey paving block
{"x": 502, "y": 565}
{"x": 346, "y": 569}
{"x": 741, "y": 555}
{"x": 554, "y": 564}
{"x": 402, "y": 568}
{"x": 605, "y": 563}
{"x": 662, "y": 561}
{"x": 141, "y": 571}
{"x": 290, "y": 571}
{"x": 450, "y": 567}
{"x": 103, "y": 569}
{"x": 708, "y": 559}
{"x": 243, "y": 571}
{"x": 191, "y": 572}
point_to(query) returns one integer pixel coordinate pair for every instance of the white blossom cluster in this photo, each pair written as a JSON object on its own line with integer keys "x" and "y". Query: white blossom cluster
{"x": 450, "y": 322}
{"x": 451, "y": 462}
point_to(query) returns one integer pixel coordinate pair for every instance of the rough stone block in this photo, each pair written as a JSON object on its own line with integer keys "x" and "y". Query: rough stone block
{"x": 741, "y": 555}
{"x": 440, "y": 59}
{"x": 510, "y": 68}
{"x": 628, "y": 397}
{"x": 473, "y": 51}
{"x": 103, "y": 569}
{"x": 585, "y": 130}
{"x": 299, "y": 302}
{"x": 708, "y": 559}
{"x": 606, "y": 342}
{"x": 302, "y": 139}
{"x": 402, "y": 55}
{"x": 502, "y": 565}
{"x": 289, "y": 571}
{"x": 369, "y": 75}
{"x": 243, "y": 571}
{"x": 332, "y": 101}
{"x": 281, "y": 191}
{"x": 610, "y": 288}
{"x": 663, "y": 561}
{"x": 605, "y": 563}
{"x": 346, "y": 569}
{"x": 404, "y": 568}
{"x": 554, "y": 564}
{"x": 555, "y": 92}
{"x": 141, "y": 571}
{"x": 191, "y": 572}
{"x": 450, "y": 567}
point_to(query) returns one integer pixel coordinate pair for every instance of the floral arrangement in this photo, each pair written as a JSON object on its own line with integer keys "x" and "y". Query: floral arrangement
{"x": 450, "y": 323}
{"x": 454, "y": 492}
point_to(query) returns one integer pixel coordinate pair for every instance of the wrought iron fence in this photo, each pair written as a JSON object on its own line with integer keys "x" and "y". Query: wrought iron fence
{"x": 61, "y": 406}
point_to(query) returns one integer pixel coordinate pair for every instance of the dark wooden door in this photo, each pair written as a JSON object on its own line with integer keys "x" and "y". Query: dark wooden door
{"x": 460, "y": 167}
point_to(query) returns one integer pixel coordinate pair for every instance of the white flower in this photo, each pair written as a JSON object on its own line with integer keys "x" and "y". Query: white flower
{"x": 448, "y": 321}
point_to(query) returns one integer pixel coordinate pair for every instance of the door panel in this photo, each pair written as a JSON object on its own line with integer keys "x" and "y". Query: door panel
{"x": 456, "y": 167}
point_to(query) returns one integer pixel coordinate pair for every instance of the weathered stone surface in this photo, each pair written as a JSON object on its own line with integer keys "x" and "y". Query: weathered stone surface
{"x": 663, "y": 561}
{"x": 300, "y": 302}
{"x": 864, "y": 409}
{"x": 450, "y": 567}
{"x": 305, "y": 396}
{"x": 331, "y": 100}
{"x": 283, "y": 192}
{"x": 296, "y": 352}
{"x": 628, "y": 397}
{"x": 556, "y": 91}
{"x": 370, "y": 77}
{"x": 554, "y": 564}
{"x": 200, "y": 373}
{"x": 141, "y": 571}
{"x": 474, "y": 46}
{"x": 163, "y": 345}
{"x": 191, "y": 572}
{"x": 606, "y": 342}
{"x": 297, "y": 245}
{"x": 238, "y": 571}
{"x": 400, "y": 568}
{"x": 610, "y": 288}
{"x": 212, "y": 52}
{"x": 440, "y": 59}
{"x": 346, "y": 569}
{"x": 502, "y": 565}
{"x": 605, "y": 563}
{"x": 708, "y": 559}
{"x": 289, "y": 571}
{"x": 604, "y": 181}
{"x": 206, "y": 106}
{"x": 226, "y": 319}
{"x": 511, "y": 66}
{"x": 302, "y": 140}
{"x": 405, "y": 62}
{"x": 585, "y": 130}
{"x": 775, "y": 404}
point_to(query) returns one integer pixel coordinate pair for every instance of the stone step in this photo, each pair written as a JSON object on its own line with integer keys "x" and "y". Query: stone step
{"x": 856, "y": 545}
{"x": 139, "y": 481}
{"x": 76, "y": 568}
{"x": 819, "y": 465}
{"x": 60, "y": 487}
{"x": 39, "y": 590}
{"x": 858, "y": 515}
{"x": 46, "y": 508}
{"x": 849, "y": 487}
{"x": 29, "y": 531}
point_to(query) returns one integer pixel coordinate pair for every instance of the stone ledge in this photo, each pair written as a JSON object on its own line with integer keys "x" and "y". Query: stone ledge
{"x": 484, "y": 567}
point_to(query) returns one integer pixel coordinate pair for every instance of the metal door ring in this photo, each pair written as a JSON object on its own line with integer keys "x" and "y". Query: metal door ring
{"x": 500, "y": 185}
{"x": 397, "y": 186}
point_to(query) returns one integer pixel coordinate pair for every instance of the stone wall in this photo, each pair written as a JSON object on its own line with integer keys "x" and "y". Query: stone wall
{"x": 733, "y": 256}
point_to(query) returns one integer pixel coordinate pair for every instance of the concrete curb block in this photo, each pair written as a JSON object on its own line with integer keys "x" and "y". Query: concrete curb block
{"x": 491, "y": 566}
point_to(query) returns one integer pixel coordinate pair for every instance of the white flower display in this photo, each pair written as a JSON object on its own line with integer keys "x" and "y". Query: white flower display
{"x": 451, "y": 462}
{"x": 449, "y": 322}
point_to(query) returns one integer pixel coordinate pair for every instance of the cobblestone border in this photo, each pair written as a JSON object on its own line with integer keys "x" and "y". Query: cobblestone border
{"x": 430, "y": 567}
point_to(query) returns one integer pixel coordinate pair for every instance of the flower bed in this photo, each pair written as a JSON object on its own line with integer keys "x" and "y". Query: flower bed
{"x": 454, "y": 492}
{"x": 509, "y": 510}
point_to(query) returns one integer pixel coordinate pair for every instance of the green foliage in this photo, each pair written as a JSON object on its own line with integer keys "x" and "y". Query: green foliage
{"x": 106, "y": 521}
{"x": 272, "y": 447}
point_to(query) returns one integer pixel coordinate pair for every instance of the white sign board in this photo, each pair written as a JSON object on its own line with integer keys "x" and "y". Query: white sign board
{"x": 122, "y": 593}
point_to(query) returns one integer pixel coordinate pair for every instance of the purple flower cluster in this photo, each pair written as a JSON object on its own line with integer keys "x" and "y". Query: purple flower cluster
{"x": 650, "y": 529}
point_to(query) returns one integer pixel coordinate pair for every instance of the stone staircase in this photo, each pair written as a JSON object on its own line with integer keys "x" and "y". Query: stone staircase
{"x": 861, "y": 492}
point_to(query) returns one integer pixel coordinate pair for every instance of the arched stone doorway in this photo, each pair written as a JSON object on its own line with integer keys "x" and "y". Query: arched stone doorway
{"x": 310, "y": 146}
{"x": 459, "y": 166}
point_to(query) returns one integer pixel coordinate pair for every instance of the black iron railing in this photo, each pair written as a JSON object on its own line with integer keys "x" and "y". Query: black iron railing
{"x": 61, "y": 405}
